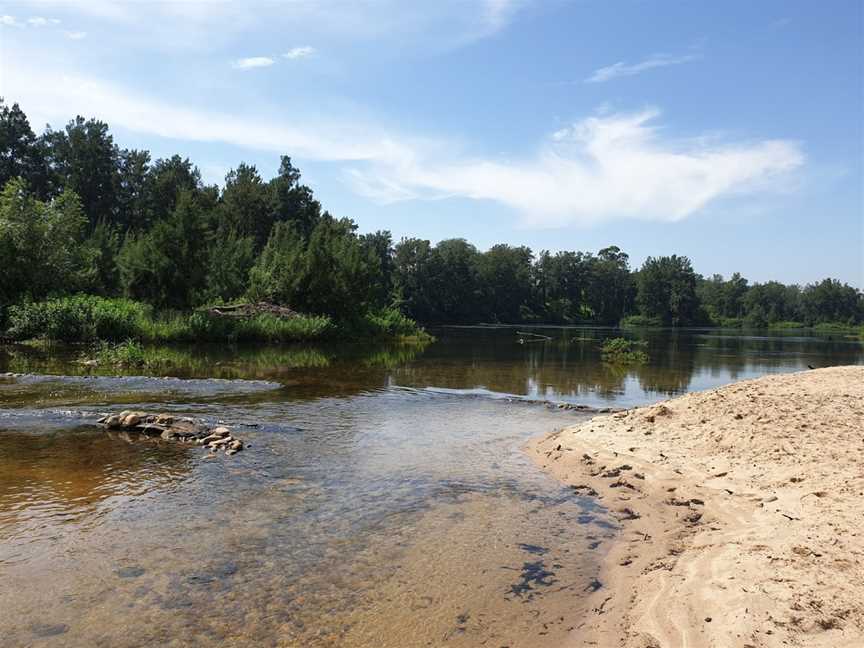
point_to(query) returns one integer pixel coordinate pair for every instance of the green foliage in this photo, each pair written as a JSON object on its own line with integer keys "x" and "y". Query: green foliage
{"x": 84, "y": 318}
{"x": 505, "y": 278}
{"x": 787, "y": 325}
{"x": 41, "y": 245}
{"x": 166, "y": 266}
{"x": 125, "y": 354}
{"x": 623, "y": 351}
{"x": 667, "y": 290}
{"x": 385, "y": 323}
{"x": 231, "y": 257}
{"x": 640, "y": 321}
{"x": 332, "y": 273}
{"x": 79, "y": 318}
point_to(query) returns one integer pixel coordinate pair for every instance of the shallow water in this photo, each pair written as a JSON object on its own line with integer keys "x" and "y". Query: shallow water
{"x": 384, "y": 500}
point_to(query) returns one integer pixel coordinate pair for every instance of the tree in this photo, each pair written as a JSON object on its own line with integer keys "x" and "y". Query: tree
{"x": 832, "y": 301}
{"x": 134, "y": 190}
{"x": 168, "y": 180}
{"x": 293, "y": 202}
{"x": 166, "y": 265}
{"x": 41, "y": 244}
{"x": 455, "y": 282}
{"x": 667, "y": 290}
{"x": 379, "y": 247}
{"x": 607, "y": 284}
{"x": 331, "y": 274}
{"x": 413, "y": 262}
{"x": 246, "y": 206}
{"x": 505, "y": 282}
{"x": 83, "y": 159}
{"x": 231, "y": 257}
{"x": 20, "y": 153}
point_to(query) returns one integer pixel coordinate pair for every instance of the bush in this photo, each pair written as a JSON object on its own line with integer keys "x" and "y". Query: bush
{"x": 787, "y": 325}
{"x": 86, "y": 318}
{"x": 384, "y": 323}
{"x": 623, "y": 351}
{"x": 640, "y": 321}
{"x": 833, "y": 327}
{"x": 79, "y": 318}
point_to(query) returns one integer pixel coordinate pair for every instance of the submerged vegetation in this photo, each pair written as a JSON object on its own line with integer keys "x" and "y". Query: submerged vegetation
{"x": 99, "y": 242}
{"x": 622, "y": 351}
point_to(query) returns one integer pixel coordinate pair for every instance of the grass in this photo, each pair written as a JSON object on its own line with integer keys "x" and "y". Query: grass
{"x": 640, "y": 321}
{"x": 88, "y": 318}
{"x": 623, "y": 351}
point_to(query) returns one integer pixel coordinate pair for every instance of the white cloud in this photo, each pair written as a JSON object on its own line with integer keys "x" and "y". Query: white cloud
{"x": 53, "y": 97}
{"x": 602, "y": 168}
{"x": 39, "y": 21}
{"x": 299, "y": 52}
{"x": 605, "y": 167}
{"x": 622, "y": 69}
{"x": 9, "y": 21}
{"x": 75, "y": 35}
{"x": 252, "y": 62}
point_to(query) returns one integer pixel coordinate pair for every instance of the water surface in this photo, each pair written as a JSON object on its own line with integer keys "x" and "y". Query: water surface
{"x": 384, "y": 500}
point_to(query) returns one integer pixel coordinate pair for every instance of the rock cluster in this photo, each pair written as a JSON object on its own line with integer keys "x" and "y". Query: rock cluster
{"x": 173, "y": 428}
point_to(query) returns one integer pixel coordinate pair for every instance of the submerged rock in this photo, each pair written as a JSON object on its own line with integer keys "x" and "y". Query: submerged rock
{"x": 172, "y": 428}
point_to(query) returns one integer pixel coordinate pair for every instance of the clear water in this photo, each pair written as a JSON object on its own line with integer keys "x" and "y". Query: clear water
{"x": 384, "y": 501}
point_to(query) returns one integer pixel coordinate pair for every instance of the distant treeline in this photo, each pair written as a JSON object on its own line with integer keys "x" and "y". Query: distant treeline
{"x": 78, "y": 214}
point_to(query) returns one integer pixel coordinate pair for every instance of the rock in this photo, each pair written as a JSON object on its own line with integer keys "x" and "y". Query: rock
{"x": 173, "y": 428}
{"x": 131, "y": 420}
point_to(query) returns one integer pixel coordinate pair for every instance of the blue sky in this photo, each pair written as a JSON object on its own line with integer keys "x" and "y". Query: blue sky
{"x": 730, "y": 132}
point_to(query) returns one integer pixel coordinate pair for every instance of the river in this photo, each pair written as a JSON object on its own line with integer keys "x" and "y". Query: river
{"x": 384, "y": 499}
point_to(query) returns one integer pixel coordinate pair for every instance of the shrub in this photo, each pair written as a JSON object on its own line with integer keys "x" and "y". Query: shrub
{"x": 787, "y": 325}
{"x": 641, "y": 321}
{"x": 623, "y": 351}
{"x": 78, "y": 319}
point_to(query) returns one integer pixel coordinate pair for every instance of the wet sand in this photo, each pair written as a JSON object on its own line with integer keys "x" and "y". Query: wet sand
{"x": 741, "y": 512}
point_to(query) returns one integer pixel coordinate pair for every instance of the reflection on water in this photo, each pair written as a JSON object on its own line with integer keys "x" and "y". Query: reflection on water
{"x": 383, "y": 502}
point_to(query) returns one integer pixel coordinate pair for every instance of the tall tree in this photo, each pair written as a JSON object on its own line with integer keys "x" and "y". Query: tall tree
{"x": 505, "y": 277}
{"x": 83, "y": 159}
{"x": 293, "y": 202}
{"x": 21, "y": 156}
{"x": 667, "y": 290}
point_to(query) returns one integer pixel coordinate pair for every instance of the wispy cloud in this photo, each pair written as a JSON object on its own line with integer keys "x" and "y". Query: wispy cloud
{"x": 9, "y": 21}
{"x": 622, "y": 69}
{"x": 75, "y": 35}
{"x": 39, "y": 21}
{"x": 601, "y": 168}
{"x": 299, "y": 52}
{"x": 252, "y": 62}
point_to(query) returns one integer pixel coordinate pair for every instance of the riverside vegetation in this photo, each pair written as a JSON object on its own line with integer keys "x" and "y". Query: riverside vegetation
{"x": 99, "y": 242}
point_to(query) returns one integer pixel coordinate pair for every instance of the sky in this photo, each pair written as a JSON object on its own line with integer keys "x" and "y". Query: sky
{"x": 732, "y": 133}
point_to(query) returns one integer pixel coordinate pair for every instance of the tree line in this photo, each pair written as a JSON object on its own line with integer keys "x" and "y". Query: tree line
{"x": 79, "y": 214}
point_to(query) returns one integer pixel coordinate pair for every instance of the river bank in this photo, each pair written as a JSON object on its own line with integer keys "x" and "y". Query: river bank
{"x": 740, "y": 511}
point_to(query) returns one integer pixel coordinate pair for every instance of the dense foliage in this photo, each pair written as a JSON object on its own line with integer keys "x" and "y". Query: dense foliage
{"x": 80, "y": 215}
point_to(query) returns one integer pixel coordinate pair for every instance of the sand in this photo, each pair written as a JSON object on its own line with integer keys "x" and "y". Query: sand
{"x": 741, "y": 511}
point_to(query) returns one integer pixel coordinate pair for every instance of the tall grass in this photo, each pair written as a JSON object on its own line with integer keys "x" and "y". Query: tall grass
{"x": 87, "y": 318}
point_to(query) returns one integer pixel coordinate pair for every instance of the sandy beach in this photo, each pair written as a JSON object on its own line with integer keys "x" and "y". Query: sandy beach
{"x": 741, "y": 514}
